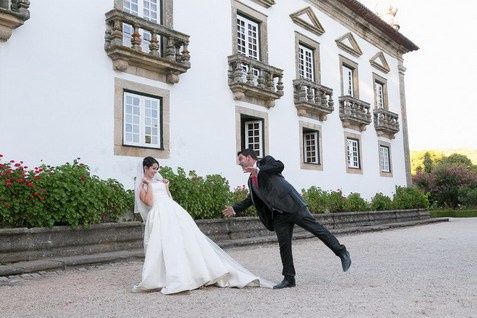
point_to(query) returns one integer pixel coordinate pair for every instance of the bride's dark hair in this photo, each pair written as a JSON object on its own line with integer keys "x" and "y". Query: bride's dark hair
{"x": 149, "y": 161}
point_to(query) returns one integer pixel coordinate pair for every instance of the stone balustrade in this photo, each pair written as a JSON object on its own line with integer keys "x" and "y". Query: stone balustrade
{"x": 312, "y": 100}
{"x": 171, "y": 60}
{"x": 252, "y": 78}
{"x": 386, "y": 123}
{"x": 354, "y": 113}
{"x": 13, "y": 13}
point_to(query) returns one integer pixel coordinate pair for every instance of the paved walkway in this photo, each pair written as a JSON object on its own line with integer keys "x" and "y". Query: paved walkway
{"x": 424, "y": 271}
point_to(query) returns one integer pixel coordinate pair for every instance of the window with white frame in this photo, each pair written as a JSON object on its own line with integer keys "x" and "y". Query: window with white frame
{"x": 146, "y": 9}
{"x": 253, "y": 134}
{"x": 311, "y": 146}
{"x": 248, "y": 37}
{"x": 348, "y": 85}
{"x": 305, "y": 63}
{"x": 142, "y": 121}
{"x": 379, "y": 94}
{"x": 352, "y": 154}
{"x": 384, "y": 159}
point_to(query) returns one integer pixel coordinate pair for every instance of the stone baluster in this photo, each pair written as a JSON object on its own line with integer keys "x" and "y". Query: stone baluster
{"x": 310, "y": 96}
{"x": 154, "y": 46}
{"x": 280, "y": 84}
{"x": 302, "y": 93}
{"x": 261, "y": 79}
{"x": 238, "y": 73}
{"x": 250, "y": 75}
{"x": 117, "y": 33}
{"x": 185, "y": 52}
{"x": 171, "y": 50}
{"x": 269, "y": 81}
{"x": 21, "y": 6}
{"x": 136, "y": 39}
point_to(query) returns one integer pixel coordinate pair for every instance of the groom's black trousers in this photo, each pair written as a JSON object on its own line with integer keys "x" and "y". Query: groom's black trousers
{"x": 284, "y": 223}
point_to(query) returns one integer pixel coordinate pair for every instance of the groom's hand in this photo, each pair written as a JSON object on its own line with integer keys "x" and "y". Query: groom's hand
{"x": 228, "y": 211}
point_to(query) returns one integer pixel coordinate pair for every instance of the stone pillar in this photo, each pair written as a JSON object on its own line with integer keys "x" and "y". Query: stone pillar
{"x": 405, "y": 136}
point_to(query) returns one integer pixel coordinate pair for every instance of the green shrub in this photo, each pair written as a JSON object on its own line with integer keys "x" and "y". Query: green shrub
{"x": 468, "y": 197}
{"x": 64, "y": 195}
{"x": 239, "y": 194}
{"x": 336, "y": 201}
{"x": 202, "y": 198}
{"x": 410, "y": 198}
{"x": 381, "y": 202}
{"x": 316, "y": 199}
{"x": 354, "y": 202}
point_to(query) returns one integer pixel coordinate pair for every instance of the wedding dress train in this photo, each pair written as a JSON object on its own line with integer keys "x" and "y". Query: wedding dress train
{"x": 179, "y": 257}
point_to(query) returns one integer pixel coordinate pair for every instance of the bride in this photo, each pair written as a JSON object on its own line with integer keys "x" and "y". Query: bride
{"x": 178, "y": 256}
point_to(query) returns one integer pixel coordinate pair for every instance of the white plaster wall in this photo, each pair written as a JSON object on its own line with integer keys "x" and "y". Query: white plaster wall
{"x": 57, "y": 95}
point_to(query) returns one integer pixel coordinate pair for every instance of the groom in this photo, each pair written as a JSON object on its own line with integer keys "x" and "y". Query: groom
{"x": 280, "y": 207}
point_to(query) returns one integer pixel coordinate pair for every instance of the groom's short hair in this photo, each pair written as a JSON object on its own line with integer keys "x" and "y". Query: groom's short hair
{"x": 248, "y": 152}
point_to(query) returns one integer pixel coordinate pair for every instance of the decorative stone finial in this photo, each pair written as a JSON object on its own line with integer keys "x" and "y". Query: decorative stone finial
{"x": 386, "y": 10}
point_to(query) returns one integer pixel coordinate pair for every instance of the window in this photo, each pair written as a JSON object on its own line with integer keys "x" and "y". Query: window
{"x": 311, "y": 150}
{"x": 352, "y": 154}
{"x": 384, "y": 162}
{"x": 349, "y": 77}
{"x": 305, "y": 62}
{"x": 249, "y": 32}
{"x": 253, "y": 138}
{"x": 146, "y": 9}
{"x": 247, "y": 37}
{"x": 142, "y": 121}
{"x": 348, "y": 87}
{"x": 380, "y": 92}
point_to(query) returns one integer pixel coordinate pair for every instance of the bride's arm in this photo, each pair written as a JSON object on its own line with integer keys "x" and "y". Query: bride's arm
{"x": 146, "y": 193}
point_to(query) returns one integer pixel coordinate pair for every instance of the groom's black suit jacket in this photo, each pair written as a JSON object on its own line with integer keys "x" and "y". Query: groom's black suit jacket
{"x": 274, "y": 193}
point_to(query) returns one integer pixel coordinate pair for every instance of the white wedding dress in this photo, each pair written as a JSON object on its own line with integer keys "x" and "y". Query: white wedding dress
{"x": 179, "y": 257}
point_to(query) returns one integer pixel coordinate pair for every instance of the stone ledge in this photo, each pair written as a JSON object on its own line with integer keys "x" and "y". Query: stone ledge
{"x": 20, "y": 268}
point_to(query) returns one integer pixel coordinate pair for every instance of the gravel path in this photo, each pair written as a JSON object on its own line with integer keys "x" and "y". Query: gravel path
{"x": 424, "y": 271}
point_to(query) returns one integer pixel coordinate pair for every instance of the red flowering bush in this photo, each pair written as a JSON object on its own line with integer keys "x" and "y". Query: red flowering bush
{"x": 64, "y": 195}
{"x": 22, "y": 199}
{"x": 445, "y": 182}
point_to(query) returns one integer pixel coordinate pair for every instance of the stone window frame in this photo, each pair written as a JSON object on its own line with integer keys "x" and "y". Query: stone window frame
{"x": 382, "y": 143}
{"x": 301, "y": 39}
{"x": 383, "y": 81}
{"x": 311, "y": 166}
{"x": 166, "y": 11}
{"x": 243, "y": 111}
{"x": 239, "y": 8}
{"x": 121, "y": 85}
{"x": 349, "y": 135}
{"x": 353, "y": 65}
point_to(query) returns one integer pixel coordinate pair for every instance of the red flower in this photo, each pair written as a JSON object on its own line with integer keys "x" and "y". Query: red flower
{"x": 12, "y": 161}
{"x": 17, "y": 165}
{"x": 1, "y": 156}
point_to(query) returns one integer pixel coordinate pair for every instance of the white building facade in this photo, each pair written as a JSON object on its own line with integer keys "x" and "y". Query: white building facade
{"x": 316, "y": 84}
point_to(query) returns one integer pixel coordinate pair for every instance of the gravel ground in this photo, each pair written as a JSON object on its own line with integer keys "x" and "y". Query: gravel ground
{"x": 424, "y": 271}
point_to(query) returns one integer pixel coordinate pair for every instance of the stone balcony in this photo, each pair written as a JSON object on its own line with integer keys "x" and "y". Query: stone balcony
{"x": 169, "y": 60}
{"x": 354, "y": 113}
{"x": 254, "y": 81}
{"x": 386, "y": 123}
{"x": 312, "y": 100}
{"x": 13, "y": 13}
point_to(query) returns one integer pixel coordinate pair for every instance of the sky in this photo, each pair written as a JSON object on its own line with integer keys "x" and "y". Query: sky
{"x": 441, "y": 77}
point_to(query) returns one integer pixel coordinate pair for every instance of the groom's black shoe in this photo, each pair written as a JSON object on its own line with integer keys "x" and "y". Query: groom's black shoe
{"x": 286, "y": 282}
{"x": 345, "y": 260}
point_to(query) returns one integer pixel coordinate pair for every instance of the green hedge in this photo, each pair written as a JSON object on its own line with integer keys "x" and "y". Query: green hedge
{"x": 321, "y": 201}
{"x": 453, "y": 213}
{"x": 62, "y": 195}
{"x": 69, "y": 195}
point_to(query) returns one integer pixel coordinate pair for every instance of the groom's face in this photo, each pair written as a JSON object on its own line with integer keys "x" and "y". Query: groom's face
{"x": 245, "y": 161}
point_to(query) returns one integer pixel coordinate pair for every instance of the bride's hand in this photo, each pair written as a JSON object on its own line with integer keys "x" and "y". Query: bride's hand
{"x": 145, "y": 181}
{"x": 166, "y": 182}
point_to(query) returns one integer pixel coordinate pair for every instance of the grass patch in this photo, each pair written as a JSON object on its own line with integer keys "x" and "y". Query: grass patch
{"x": 454, "y": 213}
